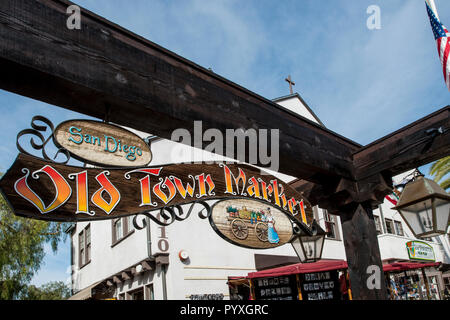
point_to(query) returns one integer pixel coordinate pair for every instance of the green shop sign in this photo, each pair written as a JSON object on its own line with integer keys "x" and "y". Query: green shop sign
{"x": 418, "y": 250}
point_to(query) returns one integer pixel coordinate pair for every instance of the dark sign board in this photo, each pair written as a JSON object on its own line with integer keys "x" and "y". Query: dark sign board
{"x": 45, "y": 190}
{"x": 276, "y": 288}
{"x": 320, "y": 285}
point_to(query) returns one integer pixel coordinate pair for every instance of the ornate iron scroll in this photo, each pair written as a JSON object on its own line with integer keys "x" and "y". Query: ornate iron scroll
{"x": 35, "y": 131}
{"x": 175, "y": 213}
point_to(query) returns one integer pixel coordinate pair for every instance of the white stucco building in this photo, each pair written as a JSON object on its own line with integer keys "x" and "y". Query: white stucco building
{"x": 113, "y": 259}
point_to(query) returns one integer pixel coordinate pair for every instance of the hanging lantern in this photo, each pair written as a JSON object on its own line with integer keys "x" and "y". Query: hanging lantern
{"x": 425, "y": 207}
{"x": 308, "y": 247}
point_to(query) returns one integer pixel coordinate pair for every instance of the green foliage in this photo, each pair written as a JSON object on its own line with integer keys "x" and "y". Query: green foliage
{"x": 440, "y": 170}
{"x": 55, "y": 290}
{"x": 22, "y": 249}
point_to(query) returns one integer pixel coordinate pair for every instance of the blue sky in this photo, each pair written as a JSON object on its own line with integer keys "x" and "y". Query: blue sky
{"x": 362, "y": 84}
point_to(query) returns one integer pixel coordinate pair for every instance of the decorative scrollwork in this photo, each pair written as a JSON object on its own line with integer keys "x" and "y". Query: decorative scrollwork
{"x": 169, "y": 215}
{"x": 35, "y": 131}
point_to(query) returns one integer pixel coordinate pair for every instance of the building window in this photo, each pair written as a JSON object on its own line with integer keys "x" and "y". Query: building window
{"x": 330, "y": 225}
{"x": 389, "y": 226}
{"x": 446, "y": 282}
{"x": 136, "y": 294}
{"x": 399, "y": 228}
{"x": 149, "y": 295}
{"x": 84, "y": 246}
{"x": 130, "y": 225}
{"x": 378, "y": 224}
{"x": 121, "y": 228}
{"x": 118, "y": 228}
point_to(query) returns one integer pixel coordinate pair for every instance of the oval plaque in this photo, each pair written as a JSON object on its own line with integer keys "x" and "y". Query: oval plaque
{"x": 103, "y": 144}
{"x": 251, "y": 223}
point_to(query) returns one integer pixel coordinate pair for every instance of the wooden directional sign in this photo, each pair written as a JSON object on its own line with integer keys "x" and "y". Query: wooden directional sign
{"x": 44, "y": 190}
{"x": 251, "y": 223}
{"x": 102, "y": 144}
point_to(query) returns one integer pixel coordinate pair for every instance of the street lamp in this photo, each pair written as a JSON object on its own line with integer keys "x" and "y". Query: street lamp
{"x": 425, "y": 207}
{"x": 308, "y": 246}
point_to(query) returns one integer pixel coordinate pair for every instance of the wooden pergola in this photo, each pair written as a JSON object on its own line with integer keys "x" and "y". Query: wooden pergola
{"x": 105, "y": 71}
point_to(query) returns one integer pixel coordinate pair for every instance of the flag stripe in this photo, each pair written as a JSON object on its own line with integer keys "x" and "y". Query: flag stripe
{"x": 443, "y": 54}
{"x": 445, "y": 60}
{"x": 442, "y": 38}
{"x": 446, "y": 50}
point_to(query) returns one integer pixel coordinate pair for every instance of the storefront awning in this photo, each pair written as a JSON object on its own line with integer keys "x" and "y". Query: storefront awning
{"x": 238, "y": 281}
{"x": 326, "y": 265}
{"x": 403, "y": 266}
{"x": 319, "y": 266}
{"x": 85, "y": 293}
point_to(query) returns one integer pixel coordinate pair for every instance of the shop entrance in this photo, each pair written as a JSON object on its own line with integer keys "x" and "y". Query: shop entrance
{"x": 412, "y": 281}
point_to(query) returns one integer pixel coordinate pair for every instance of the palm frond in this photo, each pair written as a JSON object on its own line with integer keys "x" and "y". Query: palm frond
{"x": 439, "y": 170}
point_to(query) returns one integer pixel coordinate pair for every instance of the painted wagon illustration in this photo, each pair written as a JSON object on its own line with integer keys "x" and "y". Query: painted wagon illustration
{"x": 242, "y": 220}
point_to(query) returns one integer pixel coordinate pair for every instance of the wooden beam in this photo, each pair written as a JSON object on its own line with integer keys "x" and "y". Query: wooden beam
{"x": 125, "y": 275}
{"x": 162, "y": 258}
{"x": 338, "y": 195}
{"x": 315, "y": 193}
{"x": 103, "y": 69}
{"x": 108, "y": 72}
{"x": 418, "y": 143}
{"x": 407, "y": 148}
{"x": 146, "y": 266}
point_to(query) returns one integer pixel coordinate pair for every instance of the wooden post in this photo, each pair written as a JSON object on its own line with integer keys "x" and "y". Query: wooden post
{"x": 252, "y": 290}
{"x": 427, "y": 286}
{"x": 349, "y": 289}
{"x": 404, "y": 283}
{"x": 391, "y": 293}
{"x": 362, "y": 250}
{"x": 300, "y": 297}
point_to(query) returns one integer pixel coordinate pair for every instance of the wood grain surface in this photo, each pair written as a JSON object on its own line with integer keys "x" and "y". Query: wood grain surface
{"x": 130, "y": 189}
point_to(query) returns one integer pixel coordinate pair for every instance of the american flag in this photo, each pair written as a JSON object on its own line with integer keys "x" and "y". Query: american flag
{"x": 442, "y": 37}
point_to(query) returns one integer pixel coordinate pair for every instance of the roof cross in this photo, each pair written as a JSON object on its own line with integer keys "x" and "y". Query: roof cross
{"x": 291, "y": 83}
